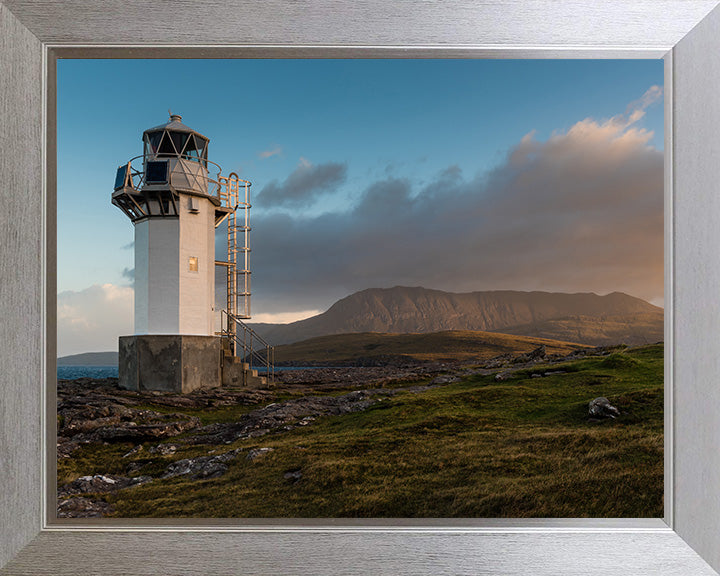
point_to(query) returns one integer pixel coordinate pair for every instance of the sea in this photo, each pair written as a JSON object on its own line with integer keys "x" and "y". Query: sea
{"x": 72, "y": 372}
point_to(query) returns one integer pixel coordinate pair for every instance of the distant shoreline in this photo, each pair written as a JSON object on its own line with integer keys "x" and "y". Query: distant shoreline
{"x": 89, "y": 359}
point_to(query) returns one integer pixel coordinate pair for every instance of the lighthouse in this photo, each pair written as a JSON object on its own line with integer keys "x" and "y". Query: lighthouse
{"x": 175, "y": 198}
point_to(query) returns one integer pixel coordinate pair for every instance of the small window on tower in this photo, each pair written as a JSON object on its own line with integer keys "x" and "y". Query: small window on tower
{"x": 193, "y": 264}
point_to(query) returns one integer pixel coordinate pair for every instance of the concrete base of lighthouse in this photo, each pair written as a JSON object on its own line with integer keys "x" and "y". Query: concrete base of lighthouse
{"x": 169, "y": 363}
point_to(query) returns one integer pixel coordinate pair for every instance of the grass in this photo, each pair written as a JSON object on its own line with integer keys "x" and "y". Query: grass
{"x": 476, "y": 448}
{"x": 206, "y": 416}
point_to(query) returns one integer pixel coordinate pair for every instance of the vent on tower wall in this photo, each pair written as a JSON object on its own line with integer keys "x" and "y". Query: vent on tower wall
{"x": 193, "y": 205}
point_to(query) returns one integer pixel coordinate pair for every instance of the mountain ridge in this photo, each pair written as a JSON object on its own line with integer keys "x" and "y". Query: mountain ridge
{"x": 583, "y": 317}
{"x": 109, "y": 358}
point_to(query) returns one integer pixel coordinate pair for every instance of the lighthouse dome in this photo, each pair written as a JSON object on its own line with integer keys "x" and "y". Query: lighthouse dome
{"x": 175, "y": 139}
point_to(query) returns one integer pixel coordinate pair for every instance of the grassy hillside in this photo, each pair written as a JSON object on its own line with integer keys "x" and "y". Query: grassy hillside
{"x": 523, "y": 447}
{"x": 454, "y": 345}
{"x": 640, "y": 329}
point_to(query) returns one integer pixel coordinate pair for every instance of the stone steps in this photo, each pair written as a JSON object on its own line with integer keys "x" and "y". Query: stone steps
{"x": 237, "y": 374}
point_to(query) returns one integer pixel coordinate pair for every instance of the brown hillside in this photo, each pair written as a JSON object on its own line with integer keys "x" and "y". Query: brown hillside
{"x": 448, "y": 346}
{"x": 586, "y": 318}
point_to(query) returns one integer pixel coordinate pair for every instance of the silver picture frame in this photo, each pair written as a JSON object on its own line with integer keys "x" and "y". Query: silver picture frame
{"x": 34, "y": 34}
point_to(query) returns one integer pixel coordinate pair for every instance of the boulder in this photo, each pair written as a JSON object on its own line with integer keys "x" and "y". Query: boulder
{"x": 293, "y": 476}
{"x": 535, "y": 355}
{"x": 538, "y": 354}
{"x": 256, "y": 453}
{"x": 499, "y": 361}
{"x": 81, "y": 507}
{"x": 445, "y": 379}
{"x": 601, "y": 408}
{"x": 136, "y": 450}
{"x": 202, "y": 467}
{"x": 100, "y": 484}
{"x": 134, "y": 432}
{"x": 164, "y": 449}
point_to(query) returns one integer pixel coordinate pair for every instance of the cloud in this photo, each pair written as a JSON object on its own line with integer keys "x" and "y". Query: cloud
{"x": 91, "y": 320}
{"x": 284, "y": 317}
{"x": 652, "y": 95}
{"x": 635, "y": 111}
{"x": 579, "y": 212}
{"x": 129, "y": 246}
{"x": 304, "y": 184}
{"x": 277, "y": 151}
{"x": 129, "y": 273}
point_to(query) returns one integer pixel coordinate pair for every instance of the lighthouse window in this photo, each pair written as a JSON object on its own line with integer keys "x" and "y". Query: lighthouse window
{"x": 152, "y": 142}
{"x": 193, "y": 264}
{"x": 156, "y": 172}
{"x": 166, "y": 146}
{"x": 201, "y": 147}
{"x": 190, "y": 149}
{"x": 178, "y": 139}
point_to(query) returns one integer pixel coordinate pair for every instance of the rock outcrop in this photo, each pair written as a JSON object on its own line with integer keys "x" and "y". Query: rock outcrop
{"x": 100, "y": 483}
{"x": 203, "y": 467}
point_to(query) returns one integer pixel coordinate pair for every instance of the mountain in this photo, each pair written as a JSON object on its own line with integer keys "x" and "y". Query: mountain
{"x": 585, "y": 318}
{"x": 90, "y": 359}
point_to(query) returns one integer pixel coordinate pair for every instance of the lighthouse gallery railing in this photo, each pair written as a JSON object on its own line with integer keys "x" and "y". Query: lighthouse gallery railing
{"x": 136, "y": 178}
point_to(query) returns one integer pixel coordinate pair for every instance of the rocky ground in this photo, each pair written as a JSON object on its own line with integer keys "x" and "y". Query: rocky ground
{"x": 97, "y": 412}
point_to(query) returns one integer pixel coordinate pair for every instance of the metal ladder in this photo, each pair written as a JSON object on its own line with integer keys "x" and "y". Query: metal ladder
{"x": 234, "y": 193}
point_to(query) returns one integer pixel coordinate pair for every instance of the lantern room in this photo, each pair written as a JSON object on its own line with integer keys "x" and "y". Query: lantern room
{"x": 174, "y": 160}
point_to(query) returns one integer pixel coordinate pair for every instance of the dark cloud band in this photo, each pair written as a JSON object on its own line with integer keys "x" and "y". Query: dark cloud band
{"x": 303, "y": 186}
{"x": 582, "y": 211}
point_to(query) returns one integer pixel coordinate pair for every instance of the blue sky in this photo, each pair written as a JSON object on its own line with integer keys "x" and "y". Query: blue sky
{"x": 334, "y": 148}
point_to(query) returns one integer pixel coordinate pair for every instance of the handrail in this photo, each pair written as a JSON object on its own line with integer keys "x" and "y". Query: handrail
{"x": 250, "y": 353}
{"x": 255, "y": 334}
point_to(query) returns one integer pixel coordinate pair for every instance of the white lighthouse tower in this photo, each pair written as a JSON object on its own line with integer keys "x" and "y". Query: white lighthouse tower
{"x": 176, "y": 198}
